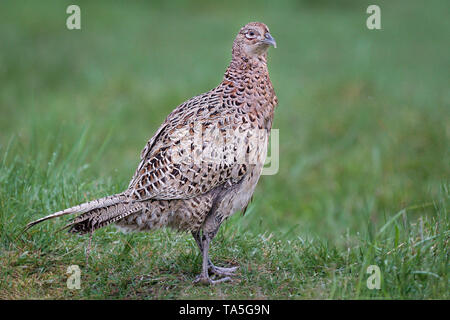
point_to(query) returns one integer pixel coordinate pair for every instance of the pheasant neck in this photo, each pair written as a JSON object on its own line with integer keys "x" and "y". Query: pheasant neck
{"x": 244, "y": 70}
{"x": 247, "y": 83}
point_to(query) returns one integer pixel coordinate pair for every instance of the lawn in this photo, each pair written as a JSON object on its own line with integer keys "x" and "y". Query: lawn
{"x": 364, "y": 126}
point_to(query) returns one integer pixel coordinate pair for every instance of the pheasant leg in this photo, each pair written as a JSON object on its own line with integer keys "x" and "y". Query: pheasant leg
{"x": 203, "y": 245}
{"x": 221, "y": 271}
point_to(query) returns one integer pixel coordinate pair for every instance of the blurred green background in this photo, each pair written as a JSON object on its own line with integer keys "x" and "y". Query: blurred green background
{"x": 364, "y": 115}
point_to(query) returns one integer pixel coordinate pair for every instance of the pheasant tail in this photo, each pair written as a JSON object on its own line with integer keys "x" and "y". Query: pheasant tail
{"x": 94, "y": 214}
{"x": 103, "y": 216}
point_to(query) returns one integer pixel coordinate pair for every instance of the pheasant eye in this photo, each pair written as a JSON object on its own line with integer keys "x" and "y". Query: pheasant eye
{"x": 250, "y": 35}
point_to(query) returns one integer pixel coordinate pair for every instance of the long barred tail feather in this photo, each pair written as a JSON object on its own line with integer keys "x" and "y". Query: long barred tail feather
{"x": 101, "y": 217}
{"x": 83, "y": 208}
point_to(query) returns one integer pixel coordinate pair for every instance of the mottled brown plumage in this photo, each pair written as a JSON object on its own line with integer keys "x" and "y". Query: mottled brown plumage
{"x": 203, "y": 163}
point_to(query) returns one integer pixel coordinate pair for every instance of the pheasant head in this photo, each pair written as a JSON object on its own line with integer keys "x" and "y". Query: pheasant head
{"x": 252, "y": 41}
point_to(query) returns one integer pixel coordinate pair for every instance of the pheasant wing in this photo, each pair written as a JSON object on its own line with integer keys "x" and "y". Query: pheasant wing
{"x": 199, "y": 147}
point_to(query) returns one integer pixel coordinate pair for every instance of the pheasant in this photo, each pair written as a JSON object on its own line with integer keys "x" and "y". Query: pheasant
{"x": 203, "y": 163}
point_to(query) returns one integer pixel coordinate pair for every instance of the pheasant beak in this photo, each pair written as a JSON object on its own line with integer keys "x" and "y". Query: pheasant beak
{"x": 268, "y": 39}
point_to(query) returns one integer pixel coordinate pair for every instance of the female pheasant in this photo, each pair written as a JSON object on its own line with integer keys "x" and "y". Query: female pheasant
{"x": 203, "y": 163}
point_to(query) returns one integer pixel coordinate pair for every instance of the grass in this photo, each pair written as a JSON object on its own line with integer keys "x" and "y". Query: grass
{"x": 364, "y": 126}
